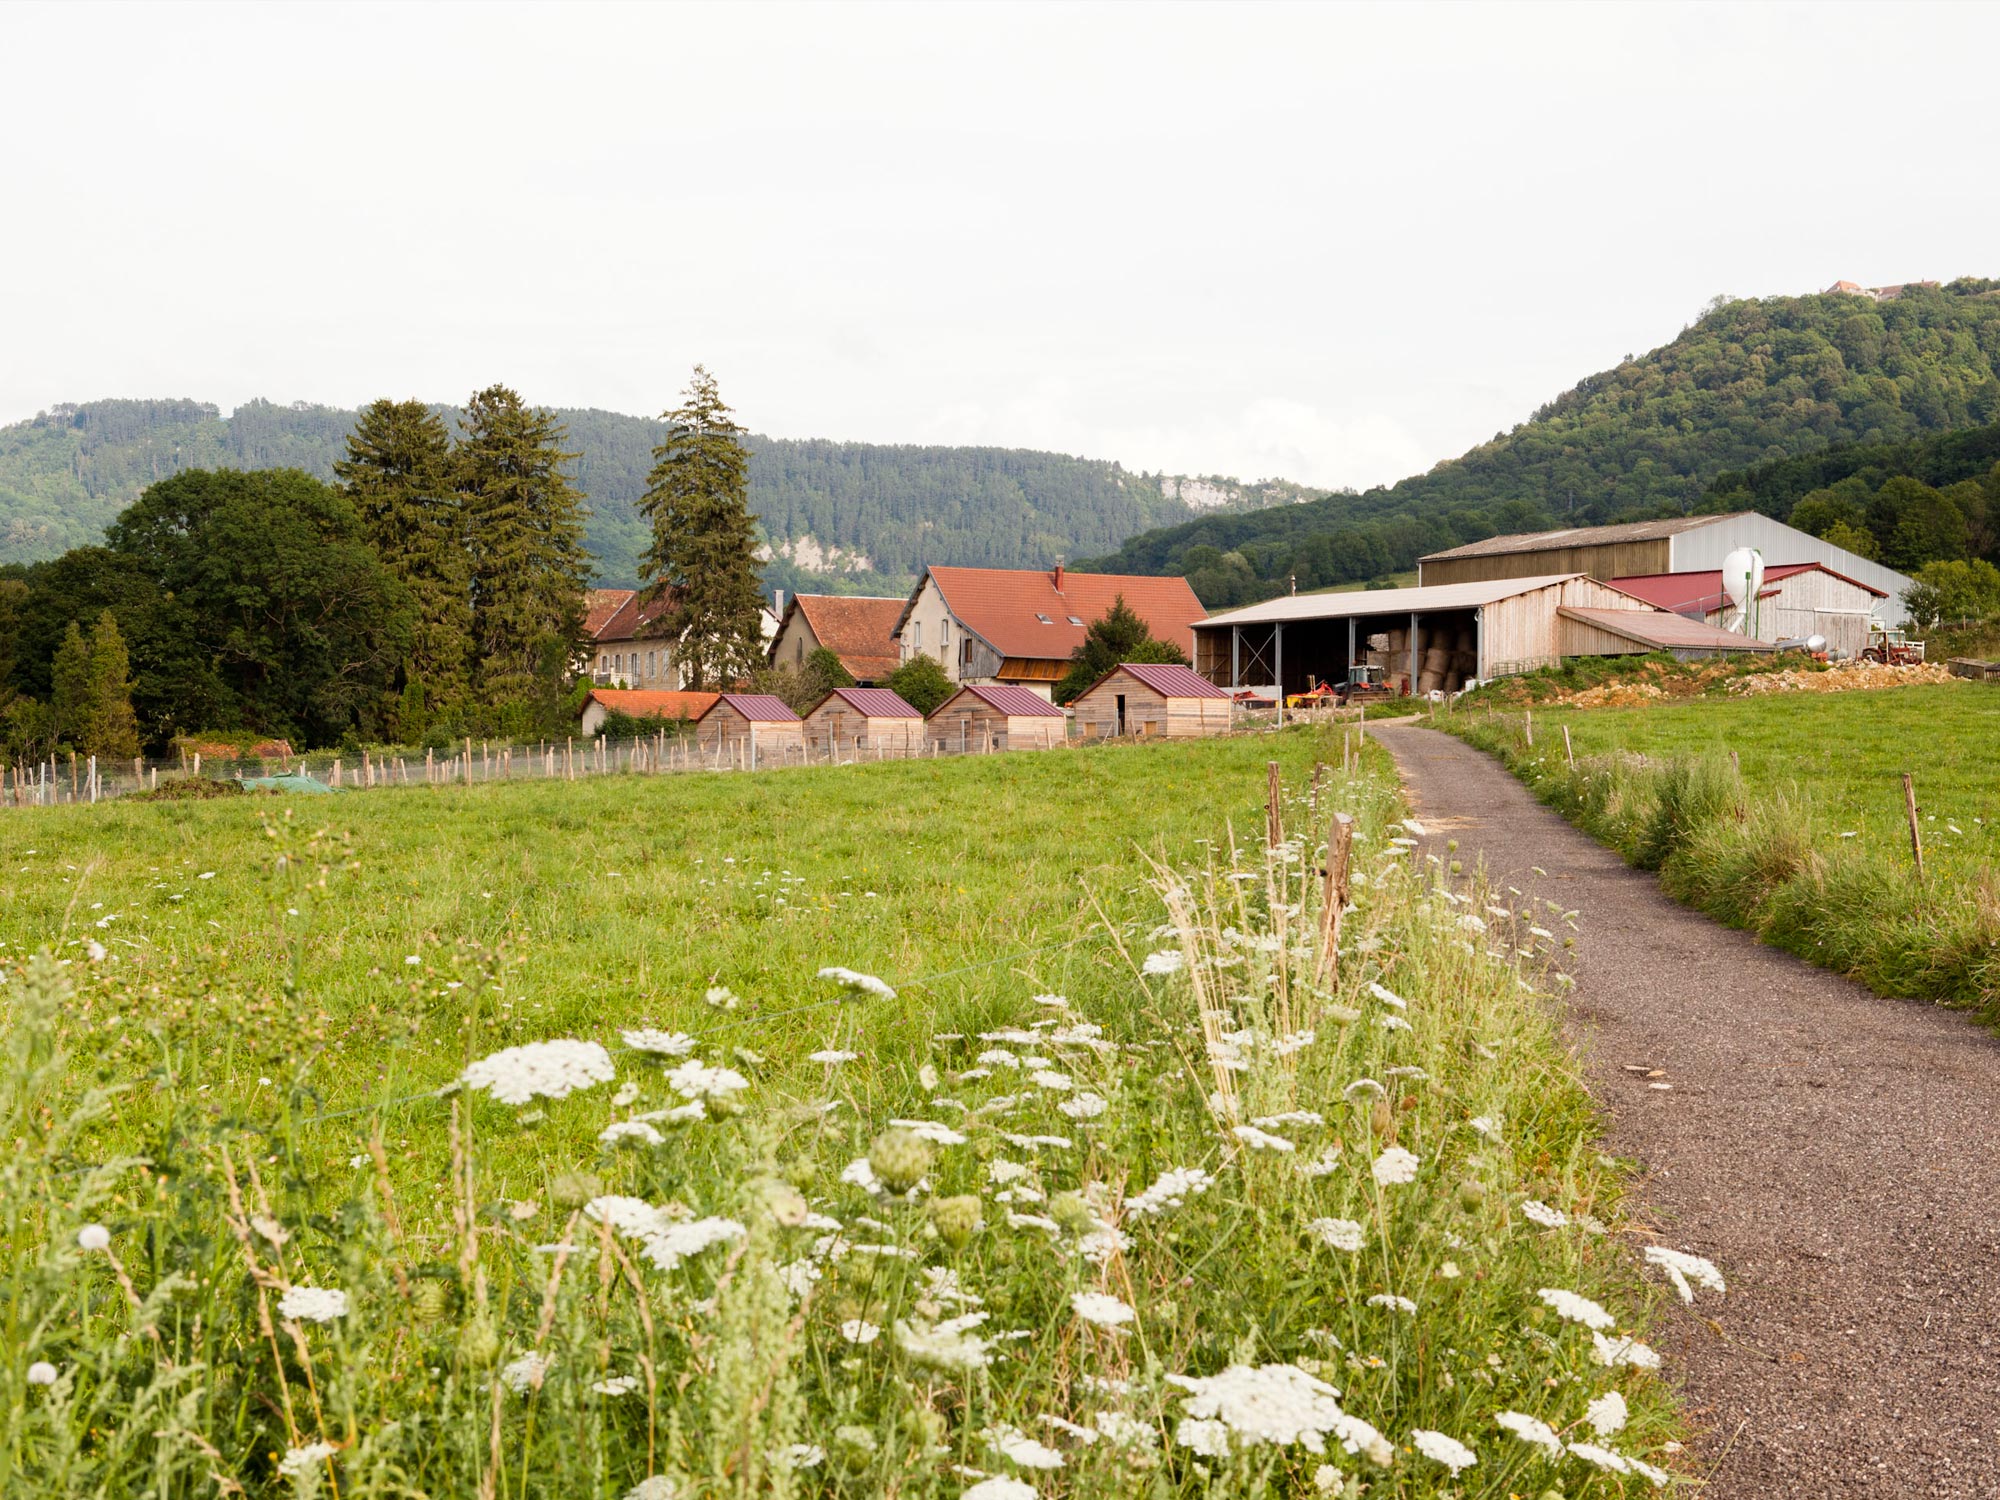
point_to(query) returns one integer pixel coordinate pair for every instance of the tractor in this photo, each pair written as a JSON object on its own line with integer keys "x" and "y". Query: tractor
{"x": 1891, "y": 648}
{"x": 1365, "y": 684}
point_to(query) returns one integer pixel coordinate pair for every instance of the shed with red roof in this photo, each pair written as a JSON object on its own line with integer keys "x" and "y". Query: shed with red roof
{"x": 1151, "y": 700}
{"x": 751, "y": 730}
{"x": 600, "y": 703}
{"x": 985, "y": 716}
{"x": 861, "y": 722}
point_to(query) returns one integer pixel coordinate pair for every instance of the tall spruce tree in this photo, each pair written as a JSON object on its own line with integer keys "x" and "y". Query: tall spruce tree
{"x": 704, "y": 552}
{"x": 399, "y": 474}
{"x": 529, "y": 567}
{"x": 93, "y": 691}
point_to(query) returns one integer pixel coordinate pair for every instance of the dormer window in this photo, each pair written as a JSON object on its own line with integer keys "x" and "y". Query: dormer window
{"x": 1045, "y": 619}
{"x": 1074, "y": 620}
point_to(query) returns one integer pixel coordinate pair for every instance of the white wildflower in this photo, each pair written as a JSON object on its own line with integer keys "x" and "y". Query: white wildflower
{"x": 1056, "y": 1002}
{"x": 1261, "y": 1140}
{"x": 954, "y": 1351}
{"x": 1001, "y": 1488}
{"x": 1681, "y": 1268}
{"x": 1170, "y": 1189}
{"x": 1100, "y": 1308}
{"x": 540, "y": 1070}
{"x": 1085, "y": 1106}
{"x": 1165, "y": 961}
{"x": 620, "y": 1131}
{"x": 696, "y": 1080}
{"x": 1540, "y": 1213}
{"x": 1323, "y": 1165}
{"x": 1277, "y": 1404}
{"x": 1338, "y": 1234}
{"x": 632, "y": 1217}
{"x": 1048, "y": 1078}
{"x": 850, "y": 979}
{"x": 679, "y": 1242}
{"x": 1393, "y": 1023}
{"x": 1387, "y": 996}
{"x": 1448, "y": 1451}
{"x": 1392, "y": 1302}
{"x": 1207, "y": 1438}
{"x": 680, "y": 1114}
{"x": 1576, "y": 1309}
{"x": 1017, "y": 1447}
{"x": 1289, "y": 1117}
{"x": 931, "y": 1130}
{"x": 299, "y": 1461}
{"x": 832, "y": 1056}
{"x": 653, "y": 1487}
{"x": 93, "y": 1237}
{"x": 526, "y": 1373}
{"x": 1485, "y": 1125}
{"x": 1657, "y": 1476}
{"x": 1531, "y": 1430}
{"x": 1327, "y": 1479}
{"x": 41, "y": 1372}
{"x": 313, "y": 1304}
{"x": 799, "y": 1456}
{"x": 1623, "y": 1351}
{"x": 1395, "y": 1167}
{"x": 1607, "y": 1413}
{"x": 860, "y": 1331}
{"x": 659, "y": 1043}
{"x": 1604, "y": 1458}
{"x": 1121, "y": 1430}
{"x": 616, "y": 1385}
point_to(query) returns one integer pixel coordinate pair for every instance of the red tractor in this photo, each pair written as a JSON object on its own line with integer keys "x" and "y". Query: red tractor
{"x": 1891, "y": 648}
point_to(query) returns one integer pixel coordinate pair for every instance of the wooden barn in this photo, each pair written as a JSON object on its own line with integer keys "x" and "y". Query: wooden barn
{"x": 1797, "y": 600}
{"x": 861, "y": 721}
{"x": 1151, "y": 700}
{"x": 993, "y": 716}
{"x": 1439, "y": 637}
{"x": 751, "y": 729}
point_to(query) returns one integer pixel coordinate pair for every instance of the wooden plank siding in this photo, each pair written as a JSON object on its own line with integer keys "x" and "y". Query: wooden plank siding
{"x": 1148, "y": 713}
{"x": 1524, "y": 631}
{"x": 966, "y": 722}
{"x": 836, "y": 728}
{"x": 722, "y": 729}
{"x": 1618, "y": 560}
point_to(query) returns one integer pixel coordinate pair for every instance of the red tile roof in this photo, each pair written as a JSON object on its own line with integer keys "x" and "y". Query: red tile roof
{"x": 652, "y": 705}
{"x": 599, "y": 605}
{"x": 760, "y": 708}
{"x": 861, "y": 631}
{"x": 1001, "y": 606}
{"x": 636, "y": 618}
{"x": 1685, "y": 590}
{"x": 1169, "y": 679}
{"x": 873, "y": 703}
{"x": 1015, "y": 702}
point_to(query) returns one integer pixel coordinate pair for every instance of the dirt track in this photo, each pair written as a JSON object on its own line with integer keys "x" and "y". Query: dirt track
{"x": 1836, "y": 1154}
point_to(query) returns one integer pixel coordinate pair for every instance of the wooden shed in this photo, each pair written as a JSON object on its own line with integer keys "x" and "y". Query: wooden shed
{"x": 860, "y": 721}
{"x": 1151, "y": 700}
{"x": 751, "y": 730}
{"x": 671, "y": 708}
{"x": 992, "y": 716}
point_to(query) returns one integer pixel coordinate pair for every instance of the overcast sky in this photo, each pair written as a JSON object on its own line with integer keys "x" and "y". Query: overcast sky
{"x": 1330, "y": 243}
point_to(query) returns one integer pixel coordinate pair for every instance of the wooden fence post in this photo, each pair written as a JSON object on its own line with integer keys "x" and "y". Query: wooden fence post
{"x": 1274, "y": 822}
{"x": 1528, "y": 726}
{"x": 1916, "y": 835}
{"x": 1568, "y": 753}
{"x": 1333, "y": 896}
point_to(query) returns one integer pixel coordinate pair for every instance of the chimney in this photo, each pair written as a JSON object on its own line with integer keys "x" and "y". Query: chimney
{"x": 1059, "y": 575}
{"x": 778, "y": 603}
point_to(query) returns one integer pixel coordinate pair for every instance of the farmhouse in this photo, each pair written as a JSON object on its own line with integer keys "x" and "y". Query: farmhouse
{"x": 861, "y": 631}
{"x": 601, "y": 703}
{"x": 864, "y": 721}
{"x": 753, "y": 728}
{"x": 1441, "y": 636}
{"x": 630, "y": 645}
{"x": 1151, "y": 701}
{"x": 996, "y": 716}
{"x": 1797, "y": 600}
{"x": 1681, "y": 544}
{"x": 1020, "y": 627}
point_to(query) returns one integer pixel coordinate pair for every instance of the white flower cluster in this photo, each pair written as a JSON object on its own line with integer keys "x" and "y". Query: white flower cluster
{"x": 313, "y": 1304}
{"x": 664, "y": 1242}
{"x": 1275, "y": 1404}
{"x": 1681, "y": 1268}
{"x": 525, "y": 1374}
{"x": 298, "y": 1461}
{"x": 1576, "y": 1309}
{"x": 1101, "y": 1308}
{"x": 540, "y": 1070}
{"x": 694, "y": 1079}
{"x": 951, "y": 1347}
{"x": 659, "y": 1043}
{"x": 1166, "y": 961}
{"x": 852, "y": 979}
{"x": 1017, "y": 1447}
{"x": 1170, "y": 1190}
{"x": 1439, "y": 1448}
{"x": 1395, "y": 1167}
{"x": 1338, "y": 1234}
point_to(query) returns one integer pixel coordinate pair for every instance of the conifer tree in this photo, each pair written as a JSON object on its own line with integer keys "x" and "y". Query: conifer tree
{"x": 69, "y": 687}
{"x": 529, "y": 567}
{"x": 704, "y": 551}
{"x": 399, "y": 474}
{"x": 1120, "y": 636}
{"x": 92, "y": 681}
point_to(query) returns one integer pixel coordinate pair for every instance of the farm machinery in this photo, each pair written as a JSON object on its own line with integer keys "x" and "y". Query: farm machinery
{"x": 1892, "y": 648}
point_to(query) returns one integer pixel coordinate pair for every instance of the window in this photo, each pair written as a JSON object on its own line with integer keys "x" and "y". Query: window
{"x": 944, "y": 634}
{"x": 1045, "y": 619}
{"x": 618, "y": 663}
{"x": 649, "y": 664}
{"x": 1074, "y": 620}
{"x": 916, "y": 635}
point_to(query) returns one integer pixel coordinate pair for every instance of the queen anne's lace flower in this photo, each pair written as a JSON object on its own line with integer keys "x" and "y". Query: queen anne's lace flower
{"x": 1623, "y": 1351}
{"x": 1391, "y": 1301}
{"x": 1531, "y": 1430}
{"x": 1338, "y": 1234}
{"x": 999, "y": 1489}
{"x": 860, "y": 1331}
{"x": 1017, "y": 1447}
{"x": 1387, "y": 996}
{"x": 1603, "y": 1458}
{"x": 852, "y": 979}
{"x": 1101, "y": 1308}
{"x": 1577, "y": 1309}
{"x": 659, "y": 1043}
{"x": 696, "y": 1080}
{"x": 679, "y": 1242}
{"x": 525, "y": 1374}
{"x": 1170, "y": 1189}
{"x": 299, "y": 1460}
{"x": 1440, "y": 1448}
{"x": 1395, "y": 1167}
{"x": 1085, "y": 1106}
{"x": 1682, "y": 1268}
{"x": 951, "y": 1347}
{"x": 1542, "y": 1214}
{"x": 313, "y": 1304}
{"x": 1276, "y": 1404}
{"x": 540, "y": 1070}
{"x": 621, "y": 1131}
{"x": 1261, "y": 1140}
{"x": 1166, "y": 961}
{"x": 1606, "y": 1414}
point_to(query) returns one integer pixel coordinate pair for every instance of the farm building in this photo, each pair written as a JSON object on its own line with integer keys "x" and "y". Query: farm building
{"x": 1682, "y": 544}
{"x": 1442, "y": 635}
{"x": 755, "y": 728}
{"x": 1021, "y": 626}
{"x": 860, "y": 631}
{"x": 601, "y": 703}
{"x": 1797, "y": 600}
{"x": 994, "y": 716}
{"x": 864, "y": 721}
{"x": 1151, "y": 701}
{"x": 630, "y": 644}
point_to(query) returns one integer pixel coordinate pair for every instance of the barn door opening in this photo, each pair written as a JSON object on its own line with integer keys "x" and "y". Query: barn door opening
{"x": 1121, "y": 713}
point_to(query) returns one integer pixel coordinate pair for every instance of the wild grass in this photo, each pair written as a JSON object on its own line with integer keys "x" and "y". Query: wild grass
{"x": 1117, "y": 1125}
{"x": 1785, "y": 815}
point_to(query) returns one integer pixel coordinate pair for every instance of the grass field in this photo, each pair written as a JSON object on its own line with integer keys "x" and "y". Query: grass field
{"x": 1105, "y": 1191}
{"x": 1804, "y": 835}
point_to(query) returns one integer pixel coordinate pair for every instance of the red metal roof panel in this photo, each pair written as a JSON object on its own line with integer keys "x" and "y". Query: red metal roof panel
{"x": 1015, "y": 702}
{"x": 761, "y": 708}
{"x": 1172, "y": 680}
{"x": 874, "y": 703}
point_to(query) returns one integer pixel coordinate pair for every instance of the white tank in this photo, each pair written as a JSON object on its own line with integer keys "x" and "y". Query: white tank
{"x": 1743, "y": 581}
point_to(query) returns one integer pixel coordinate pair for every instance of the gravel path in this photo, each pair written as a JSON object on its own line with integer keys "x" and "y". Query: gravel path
{"x": 1833, "y": 1152}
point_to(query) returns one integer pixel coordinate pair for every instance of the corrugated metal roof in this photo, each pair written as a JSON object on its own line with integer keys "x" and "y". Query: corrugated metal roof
{"x": 873, "y": 703}
{"x": 1015, "y": 702}
{"x": 1580, "y": 536}
{"x": 1021, "y": 613}
{"x": 860, "y": 630}
{"x": 1684, "y": 590}
{"x": 1382, "y": 601}
{"x": 1667, "y": 632}
{"x": 642, "y": 704}
{"x": 761, "y": 708}
{"x": 1168, "y": 679}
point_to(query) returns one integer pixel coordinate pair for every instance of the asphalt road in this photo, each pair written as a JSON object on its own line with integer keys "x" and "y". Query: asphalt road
{"x": 1833, "y": 1152}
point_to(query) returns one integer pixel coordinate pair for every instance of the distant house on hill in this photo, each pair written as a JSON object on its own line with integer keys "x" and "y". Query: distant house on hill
{"x": 1678, "y": 544}
{"x": 860, "y": 630}
{"x": 1020, "y": 626}
{"x": 668, "y": 707}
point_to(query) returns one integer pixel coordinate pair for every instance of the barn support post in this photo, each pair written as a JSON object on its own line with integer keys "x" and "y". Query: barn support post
{"x": 1235, "y": 657}
{"x": 1413, "y": 651}
{"x": 1278, "y": 667}
{"x": 1351, "y": 633}
{"x": 1479, "y": 642}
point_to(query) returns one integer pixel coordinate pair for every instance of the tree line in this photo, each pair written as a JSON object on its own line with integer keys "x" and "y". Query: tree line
{"x": 435, "y": 589}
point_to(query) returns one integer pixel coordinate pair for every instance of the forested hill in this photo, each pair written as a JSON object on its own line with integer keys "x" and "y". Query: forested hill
{"x": 1751, "y": 382}
{"x": 848, "y": 516}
